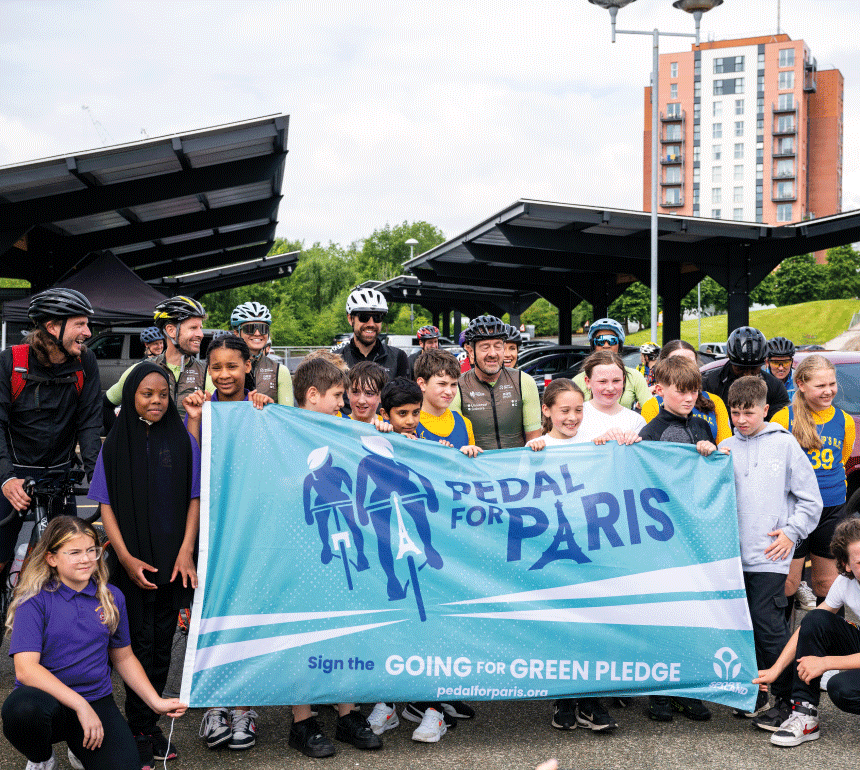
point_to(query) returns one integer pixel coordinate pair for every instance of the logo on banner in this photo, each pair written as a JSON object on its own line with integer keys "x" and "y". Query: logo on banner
{"x": 727, "y": 656}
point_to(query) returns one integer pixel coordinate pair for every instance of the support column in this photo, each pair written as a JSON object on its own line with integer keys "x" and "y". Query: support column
{"x": 565, "y": 325}
{"x": 738, "y": 289}
{"x": 515, "y": 319}
{"x": 458, "y": 324}
{"x": 435, "y": 313}
{"x": 446, "y": 323}
{"x": 670, "y": 292}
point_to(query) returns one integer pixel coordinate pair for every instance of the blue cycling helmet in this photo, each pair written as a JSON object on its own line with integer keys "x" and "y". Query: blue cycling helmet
{"x": 605, "y": 325}
{"x": 151, "y": 334}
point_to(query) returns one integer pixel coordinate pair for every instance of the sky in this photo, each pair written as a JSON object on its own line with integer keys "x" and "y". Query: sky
{"x": 445, "y": 111}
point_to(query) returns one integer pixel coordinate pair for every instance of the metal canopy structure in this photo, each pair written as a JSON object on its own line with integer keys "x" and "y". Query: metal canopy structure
{"x": 164, "y": 206}
{"x": 439, "y": 297}
{"x": 568, "y": 253}
{"x": 245, "y": 273}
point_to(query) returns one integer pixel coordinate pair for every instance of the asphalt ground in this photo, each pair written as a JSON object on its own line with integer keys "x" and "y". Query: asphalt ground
{"x": 513, "y": 735}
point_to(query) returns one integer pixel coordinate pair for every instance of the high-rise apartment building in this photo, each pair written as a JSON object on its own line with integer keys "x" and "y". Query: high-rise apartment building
{"x": 749, "y": 130}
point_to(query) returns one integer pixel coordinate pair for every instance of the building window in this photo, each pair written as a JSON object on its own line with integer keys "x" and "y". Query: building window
{"x": 718, "y": 151}
{"x": 784, "y": 190}
{"x": 785, "y": 145}
{"x": 697, "y": 132}
{"x": 718, "y": 109}
{"x": 697, "y": 89}
{"x": 673, "y": 110}
{"x": 674, "y": 67}
{"x": 759, "y": 126}
{"x": 739, "y": 173}
{"x": 739, "y": 128}
{"x": 739, "y": 150}
{"x": 730, "y": 86}
{"x": 696, "y": 176}
{"x": 695, "y": 196}
{"x": 673, "y": 196}
{"x": 718, "y": 130}
{"x": 785, "y": 167}
{"x": 697, "y": 112}
{"x": 716, "y": 195}
{"x": 785, "y": 124}
{"x": 716, "y": 213}
{"x": 783, "y": 212}
{"x": 786, "y": 80}
{"x": 739, "y": 106}
{"x": 739, "y": 195}
{"x": 759, "y": 105}
{"x": 786, "y": 102}
{"x": 738, "y": 214}
{"x": 729, "y": 64}
{"x": 673, "y": 151}
{"x": 786, "y": 57}
{"x": 673, "y": 133}
{"x": 673, "y": 91}
{"x": 717, "y": 174}
{"x": 696, "y": 153}
{"x": 673, "y": 175}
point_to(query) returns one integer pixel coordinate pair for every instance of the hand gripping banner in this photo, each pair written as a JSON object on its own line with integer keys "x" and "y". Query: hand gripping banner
{"x": 340, "y": 564}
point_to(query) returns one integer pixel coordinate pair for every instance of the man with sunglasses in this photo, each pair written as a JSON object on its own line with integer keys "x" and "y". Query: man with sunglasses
{"x": 252, "y": 321}
{"x": 746, "y": 350}
{"x": 365, "y": 311}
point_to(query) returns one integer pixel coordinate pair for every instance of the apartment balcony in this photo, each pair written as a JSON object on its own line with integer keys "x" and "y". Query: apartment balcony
{"x": 785, "y": 197}
{"x": 777, "y": 110}
{"x": 785, "y": 130}
{"x": 672, "y": 117}
{"x": 672, "y": 204}
{"x": 666, "y": 183}
{"x": 810, "y": 69}
{"x": 785, "y": 174}
{"x": 784, "y": 152}
{"x": 672, "y": 160}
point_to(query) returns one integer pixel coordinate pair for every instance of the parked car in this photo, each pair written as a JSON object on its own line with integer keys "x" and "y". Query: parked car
{"x": 716, "y": 349}
{"x": 118, "y": 347}
{"x": 553, "y": 361}
{"x": 847, "y": 398}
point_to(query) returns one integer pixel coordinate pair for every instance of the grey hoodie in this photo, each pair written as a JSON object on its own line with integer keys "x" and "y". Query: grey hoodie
{"x": 776, "y": 488}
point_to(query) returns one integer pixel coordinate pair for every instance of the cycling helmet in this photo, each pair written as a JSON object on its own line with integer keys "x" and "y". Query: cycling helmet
{"x": 514, "y": 335}
{"x": 249, "y": 312}
{"x": 780, "y": 347}
{"x": 151, "y": 334}
{"x": 604, "y": 325}
{"x": 746, "y": 347}
{"x": 649, "y": 349}
{"x": 57, "y": 303}
{"x": 485, "y": 327}
{"x": 428, "y": 333}
{"x": 367, "y": 300}
{"x": 222, "y": 333}
{"x": 176, "y": 310}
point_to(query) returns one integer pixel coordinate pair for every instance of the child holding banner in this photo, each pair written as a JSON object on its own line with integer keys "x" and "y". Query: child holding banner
{"x": 778, "y": 505}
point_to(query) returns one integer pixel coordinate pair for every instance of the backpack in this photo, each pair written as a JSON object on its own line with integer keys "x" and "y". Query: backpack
{"x": 21, "y": 373}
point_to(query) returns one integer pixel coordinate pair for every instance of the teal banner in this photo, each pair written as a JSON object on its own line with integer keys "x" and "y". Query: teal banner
{"x": 339, "y": 564}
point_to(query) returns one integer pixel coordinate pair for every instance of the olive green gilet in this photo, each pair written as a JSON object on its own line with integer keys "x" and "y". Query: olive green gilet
{"x": 265, "y": 373}
{"x": 192, "y": 376}
{"x": 496, "y": 411}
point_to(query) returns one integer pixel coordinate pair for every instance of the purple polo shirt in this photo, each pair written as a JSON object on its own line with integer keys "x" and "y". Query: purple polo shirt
{"x": 98, "y": 485}
{"x": 65, "y": 627}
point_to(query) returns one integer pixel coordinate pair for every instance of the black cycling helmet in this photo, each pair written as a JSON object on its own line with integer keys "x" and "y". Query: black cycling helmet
{"x": 485, "y": 327}
{"x": 57, "y": 303}
{"x": 514, "y": 335}
{"x": 780, "y": 347}
{"x": 176, "y": 310}
{"x": 428, "y": 333}
{"x": 747, "y": 346}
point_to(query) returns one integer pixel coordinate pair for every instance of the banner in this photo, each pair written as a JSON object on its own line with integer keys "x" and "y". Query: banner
{"x": 340, "y": 564}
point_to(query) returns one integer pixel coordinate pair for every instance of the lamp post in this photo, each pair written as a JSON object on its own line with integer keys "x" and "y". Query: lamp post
{"x": 697, "y": 8}
{"x": 411, "y": 243}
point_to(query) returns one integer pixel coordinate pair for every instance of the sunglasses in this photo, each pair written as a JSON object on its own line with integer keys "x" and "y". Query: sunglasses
{"x": 365, "y": 317}
{"x": 254, "y": 328}
{"x": 652, "y": 356}
{"x": 613, "y": 340}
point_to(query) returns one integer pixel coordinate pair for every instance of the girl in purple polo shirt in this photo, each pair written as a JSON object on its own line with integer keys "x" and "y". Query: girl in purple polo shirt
{"x": 68, "y": 627}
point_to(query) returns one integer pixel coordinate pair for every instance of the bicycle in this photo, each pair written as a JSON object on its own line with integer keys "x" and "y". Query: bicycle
{"x": 42, "y": 493}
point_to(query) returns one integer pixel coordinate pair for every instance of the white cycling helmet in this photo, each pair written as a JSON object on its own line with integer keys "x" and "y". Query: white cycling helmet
{"x": 248, "y": 312}
{"x": 367, "y": 300}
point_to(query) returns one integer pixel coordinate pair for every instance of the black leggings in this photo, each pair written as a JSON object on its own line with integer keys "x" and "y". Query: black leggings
{"x": 33, "y": 721}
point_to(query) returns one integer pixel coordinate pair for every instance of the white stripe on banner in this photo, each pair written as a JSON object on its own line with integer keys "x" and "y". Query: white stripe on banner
{"x": 227, "y": 622}
{"x": 725, "y": 575}
{"x": 722, "y": 614}
{"x": 221, "y": 654}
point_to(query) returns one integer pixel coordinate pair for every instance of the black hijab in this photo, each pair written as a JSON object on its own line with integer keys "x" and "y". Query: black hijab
{"x": 148, "y": 473}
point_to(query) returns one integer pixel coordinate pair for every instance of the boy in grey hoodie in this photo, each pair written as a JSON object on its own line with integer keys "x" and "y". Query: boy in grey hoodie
{"x": 778, "y": 506}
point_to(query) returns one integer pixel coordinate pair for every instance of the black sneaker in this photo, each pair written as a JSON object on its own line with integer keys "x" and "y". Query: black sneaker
{"x": 144, "y": 749}
{"x": 773, "y": 718}
{"x": 659, "y": 708}
{"x": 591, "y": 714}
{"x": 692, "y": 708}
{"x": 307, "y": 737}
{"x": 564, "y": 714}
{"x": 414, "y": 712}
{"x": 458, "y": 709}
{"x": 760, "y": 704}
{"x": 161, "y": 748}
{"x": 354, "y": 728}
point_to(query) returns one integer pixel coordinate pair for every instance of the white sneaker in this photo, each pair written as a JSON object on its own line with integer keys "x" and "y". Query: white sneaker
{"x": 431, "y": 729}
{"x": 74, "y": 761}
{"x": 800, "y": 727}
{"x": 826, "y": 677}
{"x": 383, "y": 718}
{"x": 805, "y": 597}
{"x": 50, "y": 764}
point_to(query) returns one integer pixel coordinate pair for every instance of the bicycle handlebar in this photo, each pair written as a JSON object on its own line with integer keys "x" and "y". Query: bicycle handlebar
{"x": 50, "y": 487}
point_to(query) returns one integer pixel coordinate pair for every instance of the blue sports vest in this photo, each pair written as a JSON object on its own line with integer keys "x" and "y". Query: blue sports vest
{"x": 827, "y": 461}
{"x": 459, "y": 436}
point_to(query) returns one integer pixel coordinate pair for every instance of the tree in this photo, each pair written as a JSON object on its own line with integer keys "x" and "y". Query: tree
{"x": 715, "y": 299}
{"x": 543, "y": 315}
{"x": 765, "y": 292}
{"x": 799, "y": 279}
{"x": 842, "y": 279}
{"x": 634, "y": 303}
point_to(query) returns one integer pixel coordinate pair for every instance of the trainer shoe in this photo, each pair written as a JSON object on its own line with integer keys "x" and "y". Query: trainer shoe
{"x": 564, "y": 714}
{"x": 659, "y": 708}
{"x": 773, "y": 718}
{"x": 74, "y": 761}
{"x": 800, "y": 727}
{"x": 144, "y": 750}
{"x": 805, "y": 597}
{"x": 826, "y": 677}
{"x": 382, "y": 718}
{"x": 431, "y": 729}
{"x": 244, "y": 734}
{"x": 307, "y": 737}
{"x": 215, "y": 728}
{"x": 692, "y": 708}
{"x": 353, "y": 728}
{"x": 48, "y": 764}
{"x": 458, "y": 709}
{"x": 761, "y": 702}
{"x": 590, "y": 713}
{"x": 161, "y": 748}
{"x": 415, "y": 711}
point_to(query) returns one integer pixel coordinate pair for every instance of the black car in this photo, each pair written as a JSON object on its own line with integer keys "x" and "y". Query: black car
{"x": 564, "y": 361}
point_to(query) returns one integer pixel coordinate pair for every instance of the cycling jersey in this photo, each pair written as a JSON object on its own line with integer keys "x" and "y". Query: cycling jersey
{"x": 718, "y": 420}
{"x": 836, "y": 431}
{"x": 451, "y": 426}
{"x": 394, "y": 360}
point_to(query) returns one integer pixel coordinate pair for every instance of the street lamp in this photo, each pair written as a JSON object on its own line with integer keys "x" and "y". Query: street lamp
{"x": 411, "y": 243}
{"x": 697, "y": 8}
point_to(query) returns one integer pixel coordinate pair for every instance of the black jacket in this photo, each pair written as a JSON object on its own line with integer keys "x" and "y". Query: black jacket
{"x": 41, "y": 427}
{"x": 393, "y": 359}
{"x": 682, "y": 430}
{"x": 719, "y": 380}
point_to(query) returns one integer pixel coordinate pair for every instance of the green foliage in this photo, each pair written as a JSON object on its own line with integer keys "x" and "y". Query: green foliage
{"x": 581, "y": 313}
{"x": 765, "y": 292}
{"x": 633, "y": 304}
{"x": 799, "y": 279}
{"x": 714, "y": 297}
{"x": 544, "y": 316}
{"x": 842, "y": 279}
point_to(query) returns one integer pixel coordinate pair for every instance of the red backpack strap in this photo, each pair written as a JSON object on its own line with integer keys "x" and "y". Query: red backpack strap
{"x": 79, "y": 382}
{"x": 20, "y": 367}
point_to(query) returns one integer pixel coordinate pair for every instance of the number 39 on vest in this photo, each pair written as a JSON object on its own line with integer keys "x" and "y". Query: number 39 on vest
{"x": 21, "y": 373}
